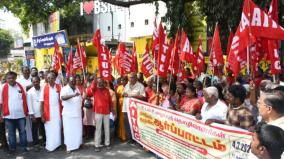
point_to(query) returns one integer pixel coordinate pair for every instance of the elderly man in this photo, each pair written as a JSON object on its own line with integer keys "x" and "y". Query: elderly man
{"x": 14, "y": 111}
{"x": 72, "y": 115}
{"x": 51, "y": 112}
{"x": 213, "y": 110}
{"x": 133, "y": 89}
{"x": 102, "y": 108}
{"x": 270, "y": 107}
{"x": 267, "y": 141}
{"x": 33, "y": 96}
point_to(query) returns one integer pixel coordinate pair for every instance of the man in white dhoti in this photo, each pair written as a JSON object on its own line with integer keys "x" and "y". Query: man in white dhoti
{"x": 26, "y": 82}
{"x": 51, "y": 112}
{"x": 72, "y": 115}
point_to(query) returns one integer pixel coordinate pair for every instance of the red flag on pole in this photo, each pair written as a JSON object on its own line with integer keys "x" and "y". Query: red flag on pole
{"x": 82, "y": 55}
{"x": 155, "y": 41}
{"x": 230, "y": 39}
{"x": 57, "y": 58}
{"x": 200, "y": 58}
{"x": 69, "y": 65}
{"x": 134, "y": 67}
{"x": 103, "y": 57}
{"x": 186, "y": 49}
{"x": 216, "y": 53}
{"x": 124, "y": 59}
{"x": 273, "y": 49}
{"x": 164, "y": 54}
{"x": 175, "y": 61}
{"x": 147, "y": 65}
{"x": 259, "y": 25}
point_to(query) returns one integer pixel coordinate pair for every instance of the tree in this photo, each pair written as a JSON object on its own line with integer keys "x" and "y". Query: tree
{"x": 6, "y": 41}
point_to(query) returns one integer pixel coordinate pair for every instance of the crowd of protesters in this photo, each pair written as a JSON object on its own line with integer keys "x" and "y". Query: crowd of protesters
{"x": 40, "y": 104}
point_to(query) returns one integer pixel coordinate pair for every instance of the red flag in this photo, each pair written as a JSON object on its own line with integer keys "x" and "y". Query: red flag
{"x": 216, "y": 54}
{"x": 77, "y": 64}
{"x": 200, "y": 58}
{"x": 273, "y": 49}
{"x": 57, "y": 58}
{"x": 134, "y": 67}
{"x": 69, "y": 65}
{"x": 147, "y": 65}
{"x": 82, "y": 55}
{"x": 230, "y": 39}
{"x": 164, "y": 54}
{"x": 124, "y": 59}
{"x": 186, "y": 49}
{"x": 260, "y": 25}
{"x": 104, "y": 64}
{"x": 97, "y": 39}
{"x": 175, "y": 61}
{"x": 155, "y": 41}
{"x": 103, "y": 57}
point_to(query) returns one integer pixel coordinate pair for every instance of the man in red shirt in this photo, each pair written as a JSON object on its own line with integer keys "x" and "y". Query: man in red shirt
{"x": 102, "y": 108}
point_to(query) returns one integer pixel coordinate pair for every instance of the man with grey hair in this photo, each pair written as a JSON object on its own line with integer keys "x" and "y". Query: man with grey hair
{"x": 134, "y": 89}
{"x": 213, "y": 110}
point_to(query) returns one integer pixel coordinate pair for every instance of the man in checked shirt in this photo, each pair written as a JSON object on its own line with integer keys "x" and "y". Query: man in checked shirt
{"x": 238, "y": 114}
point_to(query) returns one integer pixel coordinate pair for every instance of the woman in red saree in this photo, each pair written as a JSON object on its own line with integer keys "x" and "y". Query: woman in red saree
{"x": 193, "y": 104}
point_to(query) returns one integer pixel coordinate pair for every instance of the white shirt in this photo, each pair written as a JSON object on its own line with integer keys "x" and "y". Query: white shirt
{"x": 33, "y": 101}
{"x": 25, "y": 82}
{"x": 137, "y": 89}
{"x": 53, "y": 101}
{"x": 73, "y": 106}
{"x": 15, "y": 102}
{"x": 218, "y": 111}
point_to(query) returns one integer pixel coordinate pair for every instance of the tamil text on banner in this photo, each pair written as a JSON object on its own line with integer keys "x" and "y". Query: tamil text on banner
{"x": 175, "y": 135}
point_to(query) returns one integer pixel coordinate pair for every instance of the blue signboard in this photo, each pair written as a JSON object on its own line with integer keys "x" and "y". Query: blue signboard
{"x": 47, "y": 40}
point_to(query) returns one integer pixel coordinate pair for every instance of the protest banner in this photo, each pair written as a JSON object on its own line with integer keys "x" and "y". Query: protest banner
{"x": 175, "y": 135}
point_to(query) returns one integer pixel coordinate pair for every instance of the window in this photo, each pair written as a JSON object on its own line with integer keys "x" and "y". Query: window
{"x": 108, "y": 28}
{"x": 146, "y": 21}
{"x": 119, "y": 26}
{"x": 132, "y": 24}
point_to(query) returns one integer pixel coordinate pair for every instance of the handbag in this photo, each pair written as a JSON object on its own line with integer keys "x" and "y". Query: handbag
{"x": 88, "y": 104}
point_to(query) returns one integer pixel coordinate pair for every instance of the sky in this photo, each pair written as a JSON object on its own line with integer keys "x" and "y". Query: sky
{"x": 9, "y": 22}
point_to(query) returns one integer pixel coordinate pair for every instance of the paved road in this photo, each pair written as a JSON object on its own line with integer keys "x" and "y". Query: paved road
{"x": 119, "y": 151}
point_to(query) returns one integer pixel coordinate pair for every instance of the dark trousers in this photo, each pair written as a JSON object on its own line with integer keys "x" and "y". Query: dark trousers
{"x": 37, "y": 129}
{"x": 3, "y": 140}
{"x": 127, "y": 128}
{"x": 12, "y": 125}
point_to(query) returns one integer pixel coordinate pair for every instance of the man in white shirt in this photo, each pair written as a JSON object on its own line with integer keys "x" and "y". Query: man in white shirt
{"x": 213, "y": 110}
{"x": 133, "y": 89}
{"x": 51, "y": 112}
{"x": 72, "y": 115}
{"x": 26, "y": 82}
{"x": 14, "y": 110}
{"x": 33, "y": 96}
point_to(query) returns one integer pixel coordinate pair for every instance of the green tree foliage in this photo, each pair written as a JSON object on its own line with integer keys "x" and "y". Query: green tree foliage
{"x": 6, "y": 41}
{"x": 226, "y": 13}
{"x": 180, "y": 13}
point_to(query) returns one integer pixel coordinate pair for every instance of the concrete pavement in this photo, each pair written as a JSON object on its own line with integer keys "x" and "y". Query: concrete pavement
{"x": 119, "y": 151}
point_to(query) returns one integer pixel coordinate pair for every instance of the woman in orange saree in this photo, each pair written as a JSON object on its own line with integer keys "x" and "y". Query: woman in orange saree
{"x": 121, "y": 134}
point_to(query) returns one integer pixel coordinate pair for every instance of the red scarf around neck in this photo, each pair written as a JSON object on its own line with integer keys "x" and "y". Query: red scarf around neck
{"x": 46, "y": 105}
{"x": 5, "y": 96}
